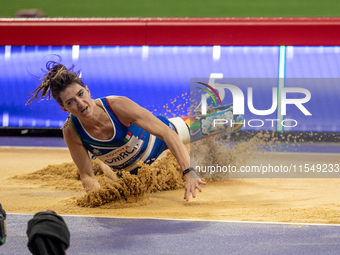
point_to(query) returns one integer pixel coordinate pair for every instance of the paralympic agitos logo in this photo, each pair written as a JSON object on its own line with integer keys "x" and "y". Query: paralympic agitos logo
{"x": 239, "y": 99}
{"x": 209, "y": 93}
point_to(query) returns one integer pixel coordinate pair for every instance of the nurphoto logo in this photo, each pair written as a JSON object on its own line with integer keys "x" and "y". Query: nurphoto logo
{"x": 238, "y": 100}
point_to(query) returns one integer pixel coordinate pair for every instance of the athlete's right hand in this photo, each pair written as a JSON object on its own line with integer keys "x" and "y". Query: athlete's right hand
{"x": 192, "y": 182}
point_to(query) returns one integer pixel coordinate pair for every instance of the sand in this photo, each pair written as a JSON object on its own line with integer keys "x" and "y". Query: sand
{"x": 37, "y": 179}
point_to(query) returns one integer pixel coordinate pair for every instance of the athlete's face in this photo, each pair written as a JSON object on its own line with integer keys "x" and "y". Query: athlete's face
{"x": 77, "y": 100}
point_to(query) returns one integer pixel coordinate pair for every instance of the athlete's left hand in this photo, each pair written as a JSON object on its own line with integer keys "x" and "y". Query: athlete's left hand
{"x": 192, "y": 182}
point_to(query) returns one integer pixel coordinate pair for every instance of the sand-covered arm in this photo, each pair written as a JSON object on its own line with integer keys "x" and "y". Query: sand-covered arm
{"x": 108, "y": 172}
{"x": 81, "y": 158}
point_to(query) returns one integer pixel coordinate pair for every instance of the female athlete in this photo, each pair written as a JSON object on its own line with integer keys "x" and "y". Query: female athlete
{"x": 114, "y": 129}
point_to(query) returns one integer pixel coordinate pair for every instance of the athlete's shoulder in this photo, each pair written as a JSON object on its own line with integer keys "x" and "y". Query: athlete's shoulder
{"x": 69, "y": 132}
{"x": 119, "y": 102}
{"x": 117, "y": 99}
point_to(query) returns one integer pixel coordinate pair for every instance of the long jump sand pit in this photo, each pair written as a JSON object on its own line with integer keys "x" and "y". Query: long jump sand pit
{"x": 36, "y": 179}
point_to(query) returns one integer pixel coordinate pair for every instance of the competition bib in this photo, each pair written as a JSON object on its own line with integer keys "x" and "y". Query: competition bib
{"x": 121, "y": 157}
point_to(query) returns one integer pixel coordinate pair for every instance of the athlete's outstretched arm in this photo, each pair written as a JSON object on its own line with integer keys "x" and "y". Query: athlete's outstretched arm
{"x": 81, "y": 158}
{"x": 128, "y": 112}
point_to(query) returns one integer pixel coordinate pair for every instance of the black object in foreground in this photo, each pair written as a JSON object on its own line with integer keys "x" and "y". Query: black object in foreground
{"x": 2, "y": 226}
{"x": 47, "y": 234}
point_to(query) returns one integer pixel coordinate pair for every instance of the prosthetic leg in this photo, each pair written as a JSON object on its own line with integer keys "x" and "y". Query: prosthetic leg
{"x": 218, "y": 120}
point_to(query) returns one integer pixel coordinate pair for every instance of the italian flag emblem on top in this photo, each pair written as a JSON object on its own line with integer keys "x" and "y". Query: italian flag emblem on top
{"x": 127, "y": 137}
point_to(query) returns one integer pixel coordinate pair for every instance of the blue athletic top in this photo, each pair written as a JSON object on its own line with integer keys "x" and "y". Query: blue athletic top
{"x": 128, "y": 145}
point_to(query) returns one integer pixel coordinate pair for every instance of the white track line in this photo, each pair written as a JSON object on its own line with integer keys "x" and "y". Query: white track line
{"x": 198, "y": 220}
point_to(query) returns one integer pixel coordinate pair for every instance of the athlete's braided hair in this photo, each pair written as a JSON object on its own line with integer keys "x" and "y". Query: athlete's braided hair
{"x": 57, "y": 78}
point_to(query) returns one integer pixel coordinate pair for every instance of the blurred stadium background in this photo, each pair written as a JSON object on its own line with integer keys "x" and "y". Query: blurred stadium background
{"x": 158, "y": 77}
